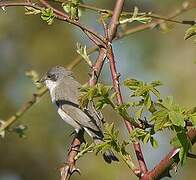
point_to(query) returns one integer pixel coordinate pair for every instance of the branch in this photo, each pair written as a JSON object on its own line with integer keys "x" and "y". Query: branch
{"x": 165, "y": 165}
{"x": 115, "y": 78}
{"x": 125, "y": 13}
{"x": 93, "y": 35}
{"x": 69, "y": 167}
{"x": 23, "y": 109}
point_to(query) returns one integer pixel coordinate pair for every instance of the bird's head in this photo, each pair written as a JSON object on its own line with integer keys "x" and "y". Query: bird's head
{"x": 55, "y": 75}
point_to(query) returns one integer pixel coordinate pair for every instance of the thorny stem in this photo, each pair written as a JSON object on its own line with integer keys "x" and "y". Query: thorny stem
{"x": 115, "y": 77}
{"x": 115, "y": 80}
{"x": 125, "y": 13}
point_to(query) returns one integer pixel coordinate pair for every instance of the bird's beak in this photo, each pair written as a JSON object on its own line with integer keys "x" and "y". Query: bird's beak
{"x": 42, "y": 80}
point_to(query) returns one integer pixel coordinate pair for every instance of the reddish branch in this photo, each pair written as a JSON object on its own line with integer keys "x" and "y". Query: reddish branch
{"x": 115, "y": 78}
{"x": 93, "y": 35}
{"x": 165, "y": 165}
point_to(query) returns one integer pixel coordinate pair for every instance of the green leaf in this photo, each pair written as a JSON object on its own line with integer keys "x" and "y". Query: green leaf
{"x": 183, "y": 142}
{"x": 156, "y": 83}
{"x": 143, "y": 89}
{"x": 176, "y": 142}
{"x": 83, "y": 100}
{"x": 104, "y": 90}
{"x": 146, "y": 138}
{"x": 167, "y": 102}
{"x": 154, "y": 142}
{"x": 193, "y": 120}
{"x": 132, "y": 83}
{"x": 190, "y": 32}
{"x": 160, "y": 124}
{"x": 102, "y": 103}
{"x": 72, "y": 8}
{"x": 183, "y": 155}
{"x": 176, "y": 118}
{"x": 138, "y": 113}
{"x": 92, "y": 92}
{"x": 147, "y": 101}
{"x": 138, "y": 133}
{"x": 161, "y": 114}
{"x": 81, "y": 50}
{"x": 122, "y": 110}
{"x": 84, "y": 150}
{"x": 47, "y": 15}
{"x": 156, "y": 92}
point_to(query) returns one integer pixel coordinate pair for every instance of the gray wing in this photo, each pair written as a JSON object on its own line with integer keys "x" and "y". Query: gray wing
{"x": 67, "y": 100}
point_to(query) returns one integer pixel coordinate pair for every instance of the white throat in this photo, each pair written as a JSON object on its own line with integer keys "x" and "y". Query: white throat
{"x": 51, "y": 85}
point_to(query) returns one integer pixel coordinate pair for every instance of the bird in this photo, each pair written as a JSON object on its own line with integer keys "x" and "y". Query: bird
{"x": 64, "y": 92}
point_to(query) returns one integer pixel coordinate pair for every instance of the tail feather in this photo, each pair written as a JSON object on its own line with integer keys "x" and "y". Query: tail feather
{"x": 109, "y": 156}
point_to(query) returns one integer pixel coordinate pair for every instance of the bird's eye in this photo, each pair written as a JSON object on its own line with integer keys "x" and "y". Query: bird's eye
{"x": 49, "y": 76}
{"x": 52, "y": 77}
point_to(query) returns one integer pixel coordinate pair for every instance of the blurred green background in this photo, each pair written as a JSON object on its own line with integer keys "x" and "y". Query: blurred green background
{"x": 26, "y": 42}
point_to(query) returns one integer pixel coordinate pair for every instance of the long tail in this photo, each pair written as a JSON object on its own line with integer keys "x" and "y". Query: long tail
{"x": 108, "y": 155}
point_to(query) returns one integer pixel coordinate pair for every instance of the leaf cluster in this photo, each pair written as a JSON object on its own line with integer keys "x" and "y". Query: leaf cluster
{"x": 72, "y": 8}
{"x": 163, "y": 113}
{"x": 98, "y": 93}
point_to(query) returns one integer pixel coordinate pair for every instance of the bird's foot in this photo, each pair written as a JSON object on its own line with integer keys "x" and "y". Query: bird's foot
{"x": 67, "y": 170}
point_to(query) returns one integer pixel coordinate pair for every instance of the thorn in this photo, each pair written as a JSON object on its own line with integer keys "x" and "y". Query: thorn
{"x": 75, "y": 170}
{"x": 175, "y": 152}
{"x": 118, "y": 75}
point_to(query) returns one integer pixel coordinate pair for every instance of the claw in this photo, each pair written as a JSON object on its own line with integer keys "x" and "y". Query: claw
{"x": 67, "y": 170}
{"x": 77, "y": 170}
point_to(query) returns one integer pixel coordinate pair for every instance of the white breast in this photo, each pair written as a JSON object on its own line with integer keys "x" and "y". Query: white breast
{"x": 51, "y": 85}
{"x": 68, "y": 119}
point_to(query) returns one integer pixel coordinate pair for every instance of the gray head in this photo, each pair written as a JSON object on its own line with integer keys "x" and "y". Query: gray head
{"x": 56, "y": 73}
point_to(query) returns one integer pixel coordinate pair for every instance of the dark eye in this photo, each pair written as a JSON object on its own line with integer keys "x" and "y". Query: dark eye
{"x": 49, "y": 76}
{"x": 52, "y": 77}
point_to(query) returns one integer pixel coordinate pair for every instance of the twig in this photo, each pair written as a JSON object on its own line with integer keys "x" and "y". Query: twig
{"x": 23, "y": 109}
{"x": 126, "y": 13}
{"x": 93, "y": 35}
